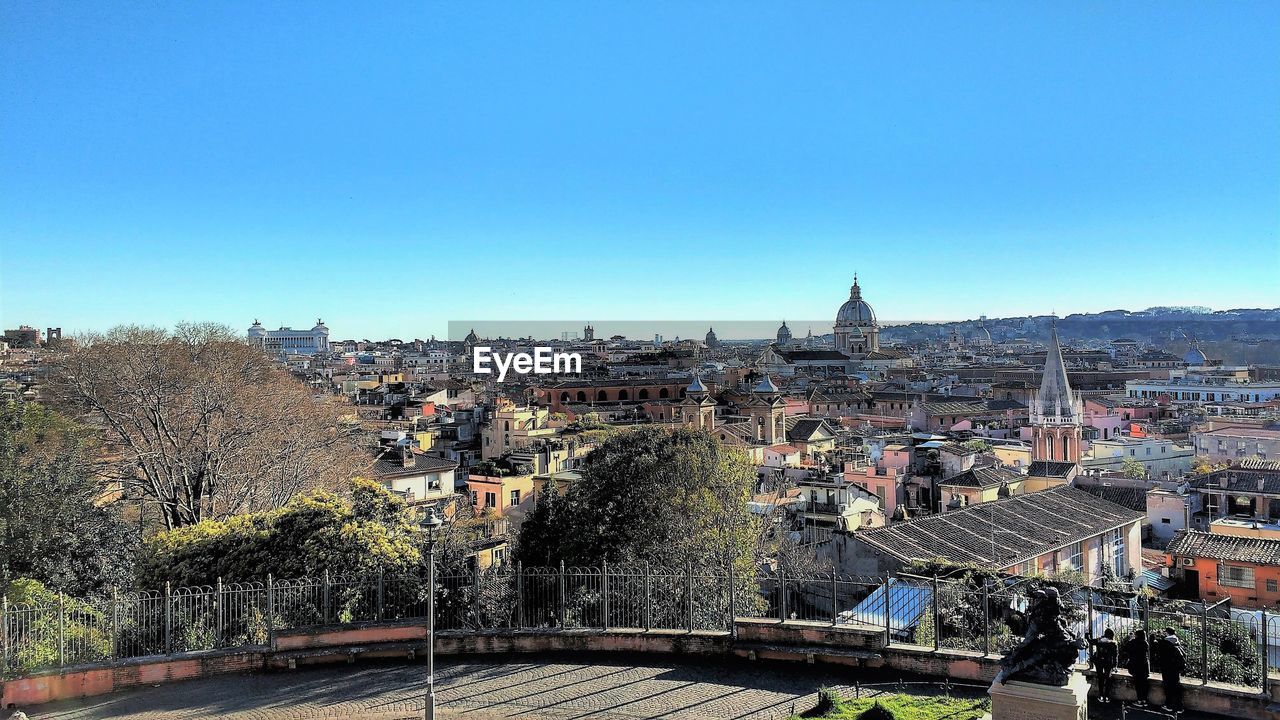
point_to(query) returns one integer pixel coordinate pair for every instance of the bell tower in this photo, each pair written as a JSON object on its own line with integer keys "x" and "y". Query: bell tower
{"x": 767, "y": 412}
{"x": 697, "y": 409}
{"x": 1056, "y": 412}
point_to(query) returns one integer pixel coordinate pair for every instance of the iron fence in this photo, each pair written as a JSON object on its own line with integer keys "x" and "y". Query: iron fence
{"x": 1219, "y": 643}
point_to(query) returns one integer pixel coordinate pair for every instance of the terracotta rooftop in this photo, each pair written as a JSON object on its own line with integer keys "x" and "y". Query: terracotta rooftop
{"x": 1217, "y": 546}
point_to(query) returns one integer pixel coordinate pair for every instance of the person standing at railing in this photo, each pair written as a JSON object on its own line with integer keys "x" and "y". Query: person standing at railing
{"x": 1103, "y": 652}
{"x": 1136, "y": 656}
{"x": 1172, "y": 662}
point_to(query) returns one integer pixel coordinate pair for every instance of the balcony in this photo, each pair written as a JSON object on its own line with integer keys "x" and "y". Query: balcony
{"x": 823, "y": 508}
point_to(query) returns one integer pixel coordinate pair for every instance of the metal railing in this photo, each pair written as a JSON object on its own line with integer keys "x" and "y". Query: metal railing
{"x": 1219, "y": 643}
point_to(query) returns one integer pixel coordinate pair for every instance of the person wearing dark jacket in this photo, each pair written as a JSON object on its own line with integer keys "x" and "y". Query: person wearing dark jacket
{"x": 1103, "y": 651}
{"x": 1173, "y": 661}
{"x": 1136, "y": 656}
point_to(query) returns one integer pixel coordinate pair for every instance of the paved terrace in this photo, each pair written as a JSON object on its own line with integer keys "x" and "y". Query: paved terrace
{"x": 561, "y": 687}
{"x": 552, "y": 687}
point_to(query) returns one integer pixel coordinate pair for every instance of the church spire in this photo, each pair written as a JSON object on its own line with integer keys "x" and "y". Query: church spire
{"x": 1055, "y": 398}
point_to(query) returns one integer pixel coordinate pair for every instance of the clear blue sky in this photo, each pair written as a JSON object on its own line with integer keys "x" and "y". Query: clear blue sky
{"x": 391, "y": 167}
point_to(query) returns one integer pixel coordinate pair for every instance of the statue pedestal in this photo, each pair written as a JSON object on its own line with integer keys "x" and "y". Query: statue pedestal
{"x": 1018, "y": 700}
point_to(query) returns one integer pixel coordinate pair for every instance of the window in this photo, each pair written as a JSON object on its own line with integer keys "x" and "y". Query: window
{"x": 1075, "y": 556}
{"x": 475, "y": 497}
{"x": 490, "y": 499}
{"x": 515, "y": 497}
{"x": 1164, "y": 521}
{"x": 1235, "y": 576}
{"x": 1273, "y": 586}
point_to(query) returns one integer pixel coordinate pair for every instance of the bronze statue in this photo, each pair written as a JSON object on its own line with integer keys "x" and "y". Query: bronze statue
{"x": 1049, "y": 648}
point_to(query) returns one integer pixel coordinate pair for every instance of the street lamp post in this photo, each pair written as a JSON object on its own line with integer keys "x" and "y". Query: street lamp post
{"x": 430, "y": 525}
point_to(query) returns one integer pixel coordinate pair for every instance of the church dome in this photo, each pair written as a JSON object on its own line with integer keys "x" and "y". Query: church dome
{"x": 765, "y": 386}
{"x": 696, "y": 386}
{"x": 855, "y": 310}
{"x": 1195, "y": 356}
{"x": 784, "y": 334}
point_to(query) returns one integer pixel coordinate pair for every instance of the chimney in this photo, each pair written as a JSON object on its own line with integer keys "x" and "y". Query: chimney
{"x": 407, "y": 457}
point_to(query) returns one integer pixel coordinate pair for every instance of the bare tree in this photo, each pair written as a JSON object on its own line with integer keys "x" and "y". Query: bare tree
{"x": 204, "y": 424}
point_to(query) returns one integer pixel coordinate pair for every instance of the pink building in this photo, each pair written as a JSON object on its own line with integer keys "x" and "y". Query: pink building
{"x": 881, "y": 481}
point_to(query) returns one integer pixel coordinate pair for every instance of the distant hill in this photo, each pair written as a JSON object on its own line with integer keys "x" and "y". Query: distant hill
{"x": 1238, "y": 335}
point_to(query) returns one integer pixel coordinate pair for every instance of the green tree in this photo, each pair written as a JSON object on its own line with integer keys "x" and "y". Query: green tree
{"x": 55, "y": 525}
{"x": 538, "y": 544}
{"x": 977, "y": 445}
{"x": 657, "y": 495}
{"x": 314, "y": 532}
{"x": 35, "y": 639}
{"x": 1132, "y": 468}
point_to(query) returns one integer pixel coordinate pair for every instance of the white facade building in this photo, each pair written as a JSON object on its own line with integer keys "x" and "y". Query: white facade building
{"x": 1193, "y": 389}
{"x": 287, "y": 341}
{"x": 1158, "y": 455}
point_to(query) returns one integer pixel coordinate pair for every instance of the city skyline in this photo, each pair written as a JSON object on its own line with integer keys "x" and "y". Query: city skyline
{"x": 715, "y": 160}
{"x": 736, "y": 329}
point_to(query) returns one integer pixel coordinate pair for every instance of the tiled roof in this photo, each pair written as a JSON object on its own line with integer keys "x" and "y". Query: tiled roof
{"x": 1022, "y": 527}
{"x": 838, "y": 395}
{"x": 741, "y": 432}
{"x": 1217, "y": 546}
{"x": 1134, "y": 498}
{"x": 954, "y": 408}
{"x": 974, "y": 406}
{"x": 982, "y": 477}
{"x": 1240, "y": 479}
{"x": 1050, "y": 468}
{"x": 391, "y": 464}
{"x": 805, "y": 428}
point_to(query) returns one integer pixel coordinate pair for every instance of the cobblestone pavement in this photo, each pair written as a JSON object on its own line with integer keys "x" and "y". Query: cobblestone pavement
{"x": 556, "y": 687}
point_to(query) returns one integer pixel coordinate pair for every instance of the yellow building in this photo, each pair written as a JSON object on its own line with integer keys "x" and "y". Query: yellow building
{"x": 1012, "y": 455}
{"x": 506, "y": 496}
{"x": 1046, "y": 474}
{"x": 513, "y": 426}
